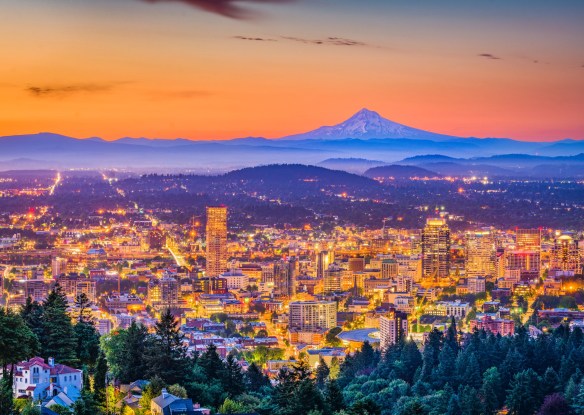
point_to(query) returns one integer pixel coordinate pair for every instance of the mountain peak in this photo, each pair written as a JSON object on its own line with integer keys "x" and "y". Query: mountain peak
{"x": 366, "y": 124}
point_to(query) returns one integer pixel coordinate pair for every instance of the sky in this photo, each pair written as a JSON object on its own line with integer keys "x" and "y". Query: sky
{"x": 219, "y": 69}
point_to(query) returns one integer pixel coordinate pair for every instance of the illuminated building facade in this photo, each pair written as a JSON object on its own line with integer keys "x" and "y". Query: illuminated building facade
{"x": 436, "y": 249}
{"x": 216, "y": 233}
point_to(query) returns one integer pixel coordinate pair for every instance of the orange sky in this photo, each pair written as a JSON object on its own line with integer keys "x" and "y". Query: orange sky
{"x": 130, "y": 68}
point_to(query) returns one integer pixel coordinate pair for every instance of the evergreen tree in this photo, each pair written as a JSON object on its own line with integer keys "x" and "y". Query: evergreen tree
{"x": 6, "y": 402}
{"x": 32, "y": 314}
{"x": 322, "y": 373}
{"x": 524, "y": 395}
{"x": 334, "y": 397}
{"x": 166, "y": 353}
{"x": 17, "y": 342}
{"x": 255, "y": 379}
{"x": 491, "y": 396}
{"x": 233, "y": 379}
{"x": 211, "y": 363}
{"x": 87, "y": 337}
{"x": 578, "y": 399}
{"x": 550, "y": 382}
{"x": 58, "y": 339}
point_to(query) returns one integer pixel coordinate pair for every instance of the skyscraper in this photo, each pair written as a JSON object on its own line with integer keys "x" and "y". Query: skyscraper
{"x": 565, "y": 255}
{"x": 436, "y": 249}
{"x": 481, "y": 254}
{"x": 285, "y": 272}
{"x": 216, "y": 233}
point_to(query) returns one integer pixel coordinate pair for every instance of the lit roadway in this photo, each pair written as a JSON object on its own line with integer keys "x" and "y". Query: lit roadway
{"x": 179, "y": 259}
{"x": 54, "y": 186}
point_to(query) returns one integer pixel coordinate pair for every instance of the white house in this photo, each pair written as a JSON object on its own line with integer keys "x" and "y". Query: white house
{"x": 40, "y": 381}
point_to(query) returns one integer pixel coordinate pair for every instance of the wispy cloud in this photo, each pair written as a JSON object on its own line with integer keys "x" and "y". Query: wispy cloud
{"x": 335, "y": 41}
{"x": 331, "y": 40}
{"x": 488, "y": 56}
{"x": 227, "y": 8}
{"x": 256, "y": 39}
{"x": 44, "y": 91}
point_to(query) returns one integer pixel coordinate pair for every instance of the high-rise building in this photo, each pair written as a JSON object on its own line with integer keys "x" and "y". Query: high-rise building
{"x": 392, "y": 327}
{"x": 323, "y": 260}
{"x": 480, "y": 254}
{"x": 313, "y": 315}
{"x": 163, "y": 293}
{"x": 565, "y": 255}
{"x": 528, "y": 239}
{"x": 216, "y": 240}
{"x": 436, "y": 249}
{"x": 285, "y": 272}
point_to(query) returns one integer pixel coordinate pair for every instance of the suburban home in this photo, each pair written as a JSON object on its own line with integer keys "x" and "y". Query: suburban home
{"x": 38, "y": 380}
{"x": 168, "y": 404}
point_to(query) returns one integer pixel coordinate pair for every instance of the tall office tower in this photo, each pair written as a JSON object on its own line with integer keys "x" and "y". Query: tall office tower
{"x": 332, "y": 279}
{"x": 392, "y": 327}
{"x": 323, "y": 260}
{"x": 565, "y": 255}
{"x": 527, "y": 254}
{"x": 481, "y": 254}
{"x": 285, "y": 272}
{"x": 436, "y": 249}
{"x": 528, "y": 239}
{"x": 313, "y": 315}
{"x": 216, "y": 240}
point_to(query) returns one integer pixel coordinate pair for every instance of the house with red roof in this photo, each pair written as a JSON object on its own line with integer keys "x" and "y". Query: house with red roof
{"x": 42, "y": 380}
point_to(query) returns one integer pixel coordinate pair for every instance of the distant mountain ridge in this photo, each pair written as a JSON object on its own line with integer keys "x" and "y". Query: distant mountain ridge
{"x": 363, "y": 141}
{"x": 366, "y": 124}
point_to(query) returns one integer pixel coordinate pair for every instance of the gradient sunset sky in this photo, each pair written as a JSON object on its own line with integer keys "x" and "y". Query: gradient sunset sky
{"x": 215, "y": 69}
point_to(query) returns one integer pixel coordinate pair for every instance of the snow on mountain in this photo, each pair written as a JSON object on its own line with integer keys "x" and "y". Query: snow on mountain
{"x": 367, "y": 124}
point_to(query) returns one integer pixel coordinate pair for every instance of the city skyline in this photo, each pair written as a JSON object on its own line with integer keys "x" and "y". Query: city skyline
{"x": 495, "y": 69}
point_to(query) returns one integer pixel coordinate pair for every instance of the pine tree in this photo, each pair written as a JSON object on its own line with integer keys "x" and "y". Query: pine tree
{"x": 233, "y": 380}
{"x": 211, "y": 362}
{"x": 523, "y": 397}
{"x": 17, "y": 342}
{"x": 255, "y": 379}
{"x": 6, "y": 402}
{"x": 490, "y": 391}
{"x": 32, "y": 314}
{"x": 58, "y": 339}
{"x": 322, "y": 373}
{"x": 166, "y": 353}
{"x": 334, "y": 397}
{"x": 134, "y": 351}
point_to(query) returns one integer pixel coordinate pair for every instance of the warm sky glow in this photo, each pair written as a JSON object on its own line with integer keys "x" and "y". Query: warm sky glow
{"x": 166, "y": 69}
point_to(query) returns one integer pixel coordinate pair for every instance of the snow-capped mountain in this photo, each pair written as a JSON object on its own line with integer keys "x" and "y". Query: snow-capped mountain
{"x": 367, "y": 124}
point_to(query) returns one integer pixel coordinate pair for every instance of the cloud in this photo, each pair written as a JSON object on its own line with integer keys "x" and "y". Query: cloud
{"x": 66, "y": 90}
{"x": 227, "y": 8}
{"x": 488, "y": 56}
{"x": 335, "y": 41}
{"x": 257, "y": 39}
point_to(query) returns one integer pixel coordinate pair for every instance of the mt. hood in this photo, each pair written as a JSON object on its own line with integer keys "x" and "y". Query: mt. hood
{"x": 367, "y": 124}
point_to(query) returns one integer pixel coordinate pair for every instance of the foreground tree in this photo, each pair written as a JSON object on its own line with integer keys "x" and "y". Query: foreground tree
{"x": 58, "y": 338}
